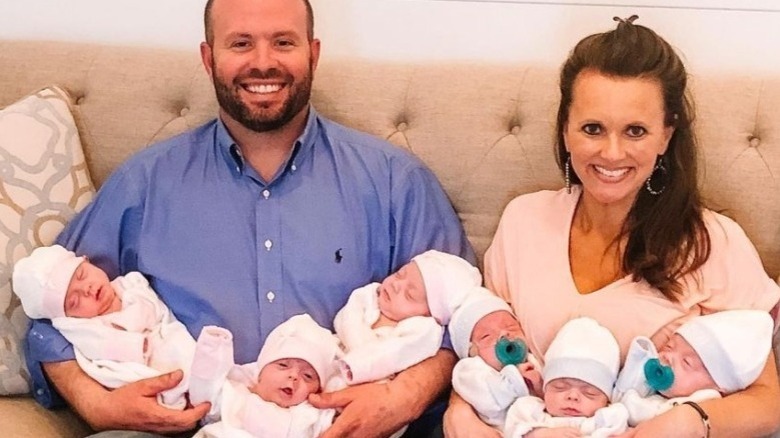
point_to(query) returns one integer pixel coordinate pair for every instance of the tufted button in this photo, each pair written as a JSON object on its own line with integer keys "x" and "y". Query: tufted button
{"x": 515, "y": 130}
{"x": 403, "y": 126}
{"x": 754, "y": 141}
{"x": 184, "y": 111}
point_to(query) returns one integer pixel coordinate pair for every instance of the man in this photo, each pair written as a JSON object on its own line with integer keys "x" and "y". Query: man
{"x": 268, "y": 212}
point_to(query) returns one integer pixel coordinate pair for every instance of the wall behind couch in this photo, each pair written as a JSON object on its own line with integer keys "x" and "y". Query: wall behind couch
{"x": 725, "y": 34}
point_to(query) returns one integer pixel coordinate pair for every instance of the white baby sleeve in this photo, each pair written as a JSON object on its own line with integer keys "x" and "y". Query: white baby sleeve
{"x": 141, "y": 307}
{"x": 410, "y": 342}
{"x": 96, "y": 340}
{"x": 488, "y": 391}
{"x": 643, "y": 408}
{"x": 607, "y": 421}
{"x": 353, "y": 322}
{"x": 525, "y": 414}
{"x": 211, "y": 363}
{"x": 264, "y": 419}
{"x": 308, "y": 421}
{"x": 632, "y": 375}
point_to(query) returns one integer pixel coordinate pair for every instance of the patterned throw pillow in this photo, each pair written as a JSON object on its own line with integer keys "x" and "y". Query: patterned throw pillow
{"x": 44, "y": 181}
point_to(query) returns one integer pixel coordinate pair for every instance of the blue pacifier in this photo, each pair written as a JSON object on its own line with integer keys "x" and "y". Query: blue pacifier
{"x": 659, "y": 377}
{"x": 511, "y": 352}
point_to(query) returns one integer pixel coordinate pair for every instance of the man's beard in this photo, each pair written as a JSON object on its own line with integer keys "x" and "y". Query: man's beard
{"x": 263, "y": 120}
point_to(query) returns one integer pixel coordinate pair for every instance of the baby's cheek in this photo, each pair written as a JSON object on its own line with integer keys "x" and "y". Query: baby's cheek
{"x": 489, "y": 356}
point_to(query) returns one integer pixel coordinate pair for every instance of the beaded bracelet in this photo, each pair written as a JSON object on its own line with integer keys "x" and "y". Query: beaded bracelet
{"x": 705, "y": 419}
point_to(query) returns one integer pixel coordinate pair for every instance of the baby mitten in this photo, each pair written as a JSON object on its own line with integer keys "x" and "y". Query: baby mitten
{"x": 210, "y": 366}
{"x": 632, "y": 376}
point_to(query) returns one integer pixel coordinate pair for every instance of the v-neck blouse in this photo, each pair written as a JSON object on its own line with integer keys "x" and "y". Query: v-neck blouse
{"x": 528, "y": 265}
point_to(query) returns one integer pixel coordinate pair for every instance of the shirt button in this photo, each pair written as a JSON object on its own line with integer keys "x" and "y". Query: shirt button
{"x": 40, "y": 391}
{"x": 266, "y": 193}
{"x": 294, "y": 167}
{"x": 270, "y": 295}
{"x": 268, "y": 244}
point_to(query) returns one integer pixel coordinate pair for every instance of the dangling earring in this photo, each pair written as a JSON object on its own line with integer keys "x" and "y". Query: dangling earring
{"x": 567, "y": 173}
{"x": 659, "y": 172}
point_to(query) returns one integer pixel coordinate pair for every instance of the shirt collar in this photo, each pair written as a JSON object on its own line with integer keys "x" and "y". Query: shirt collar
{"x": 301, "y": 148}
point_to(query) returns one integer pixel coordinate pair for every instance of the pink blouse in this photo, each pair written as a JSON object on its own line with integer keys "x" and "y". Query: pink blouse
{"x": 528, "y": 265}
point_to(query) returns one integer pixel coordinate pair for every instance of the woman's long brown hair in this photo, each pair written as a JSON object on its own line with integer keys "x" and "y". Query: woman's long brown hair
{"x": 666, "y": 235}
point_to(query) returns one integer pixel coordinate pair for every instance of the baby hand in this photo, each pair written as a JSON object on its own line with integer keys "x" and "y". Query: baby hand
{"x": 532, "y": 377}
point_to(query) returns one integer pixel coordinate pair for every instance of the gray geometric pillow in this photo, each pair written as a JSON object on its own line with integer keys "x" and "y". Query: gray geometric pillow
{"x": 44, "y": 181}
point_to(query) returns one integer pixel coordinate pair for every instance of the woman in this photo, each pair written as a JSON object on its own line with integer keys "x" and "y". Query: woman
{"x": 628, "y": 242}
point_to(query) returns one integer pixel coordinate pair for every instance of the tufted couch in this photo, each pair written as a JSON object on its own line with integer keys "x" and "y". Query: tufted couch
{"x": 485, "y": 130}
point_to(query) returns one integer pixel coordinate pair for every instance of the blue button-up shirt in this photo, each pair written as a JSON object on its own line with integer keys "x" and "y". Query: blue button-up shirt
{"x": 221, "y": 246}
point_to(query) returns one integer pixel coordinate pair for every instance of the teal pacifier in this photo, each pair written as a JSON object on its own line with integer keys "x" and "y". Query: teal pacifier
{"x": 659, "y": 377}
{"x": 511, "y": 352}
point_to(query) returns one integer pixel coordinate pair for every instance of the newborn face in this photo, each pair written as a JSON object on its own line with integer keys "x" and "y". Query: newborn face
{"x": 488, "y": 330}
{"x": 402, "y": 294}
{"x": 567, "y": 397}
{"x": 90, "y": 293}
{"x": 690, "y": 374}
{"x": 287, "y": 382}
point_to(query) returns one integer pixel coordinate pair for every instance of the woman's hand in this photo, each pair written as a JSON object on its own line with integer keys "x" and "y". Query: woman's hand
{"x": 681, "y": 421}
{"x": 460, "y": 421}
{"x": 554, "y": 432}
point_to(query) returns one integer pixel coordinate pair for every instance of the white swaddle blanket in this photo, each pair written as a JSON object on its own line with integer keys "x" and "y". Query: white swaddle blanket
{"x": 140, "y": 341}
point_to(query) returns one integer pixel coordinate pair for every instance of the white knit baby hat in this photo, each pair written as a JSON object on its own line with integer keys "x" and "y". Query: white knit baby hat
{"x": 585, "y": 350}
{"x": 41, "y": 280}
{"x": 447, "y": 278}
{"x": 300, "y": 337}
{"x": 479, "y": 303}
{"x": 732, "y": 344}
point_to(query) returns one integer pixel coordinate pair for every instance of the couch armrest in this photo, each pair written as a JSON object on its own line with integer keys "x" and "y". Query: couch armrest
{"x": 22, "y": 417}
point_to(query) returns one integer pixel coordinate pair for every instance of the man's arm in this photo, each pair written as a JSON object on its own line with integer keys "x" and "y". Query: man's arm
{"x": 379, "y": 409}
{"x": 133, "y": 406}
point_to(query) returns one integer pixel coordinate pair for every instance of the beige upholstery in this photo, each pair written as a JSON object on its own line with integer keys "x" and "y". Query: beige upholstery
{"x": 485, "y": 130}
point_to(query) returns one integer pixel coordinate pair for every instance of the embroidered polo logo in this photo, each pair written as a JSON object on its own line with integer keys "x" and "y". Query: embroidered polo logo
{"x": 338, "y": 255}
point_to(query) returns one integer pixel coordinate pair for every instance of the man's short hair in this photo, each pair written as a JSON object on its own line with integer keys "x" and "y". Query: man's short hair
{"x": 210, "y": 31}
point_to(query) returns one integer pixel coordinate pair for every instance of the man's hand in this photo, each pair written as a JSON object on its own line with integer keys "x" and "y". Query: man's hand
{"x": 460, "y": 421}
{"x": 367, "y": 410}
{"x": 380, "y": 409}
{"x": 131, "y": 407}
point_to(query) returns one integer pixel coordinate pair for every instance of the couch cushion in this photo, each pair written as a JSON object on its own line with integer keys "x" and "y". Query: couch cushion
{"x": 43, "y": 182}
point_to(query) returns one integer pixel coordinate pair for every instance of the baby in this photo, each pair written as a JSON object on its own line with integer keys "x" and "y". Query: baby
{"x": 268, "y": 399}
{"x": 706, "y": 357}
{"x": 579, "y": 373}
{"x": 495, "y": 367}
{"x": 388, "y": 327}
{"x": 120, "y": 330}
